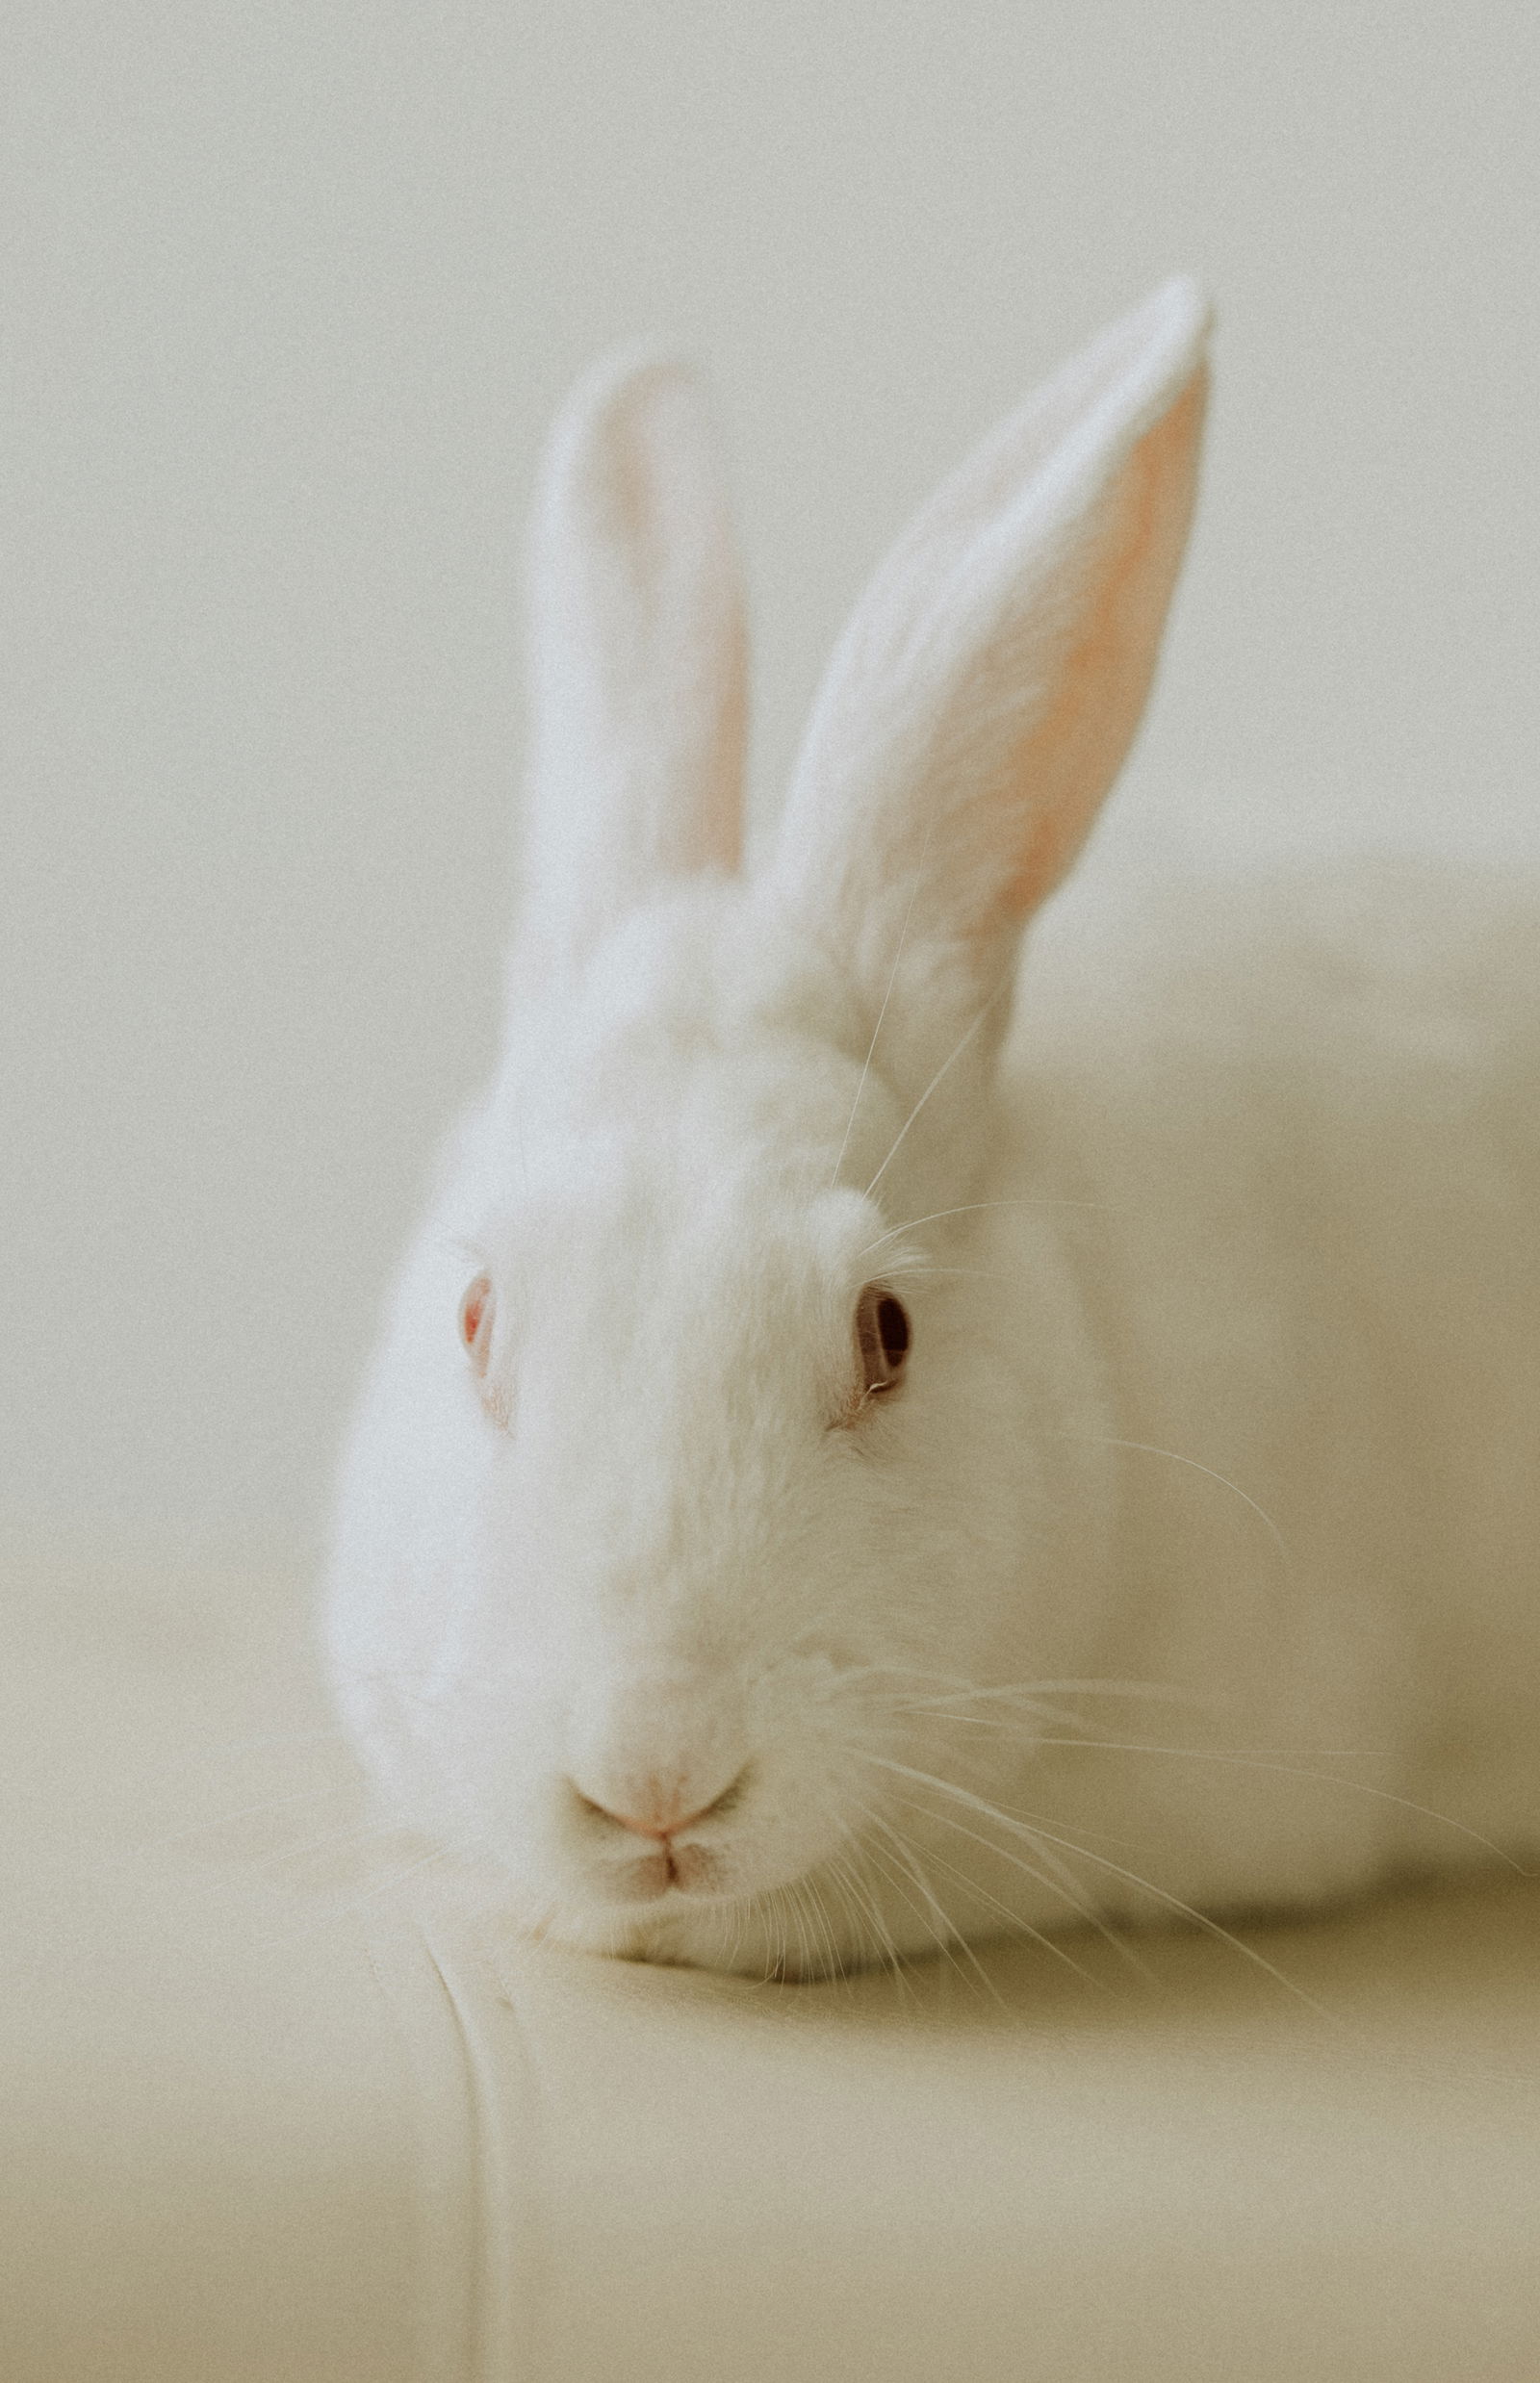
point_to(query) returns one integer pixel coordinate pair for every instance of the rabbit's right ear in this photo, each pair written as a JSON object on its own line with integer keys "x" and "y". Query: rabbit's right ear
{"x": 636, "y": 658}
{"x": 981, "y": 702}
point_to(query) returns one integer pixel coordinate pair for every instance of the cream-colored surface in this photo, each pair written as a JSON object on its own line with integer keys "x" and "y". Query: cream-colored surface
{"x": 264, "y": 2119}
{"x": 207, "y": 2167}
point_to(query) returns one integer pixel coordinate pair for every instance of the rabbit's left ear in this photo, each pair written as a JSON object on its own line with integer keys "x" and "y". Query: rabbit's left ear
{"x": 636, "y": 657}
{"x": 981, "y": 702}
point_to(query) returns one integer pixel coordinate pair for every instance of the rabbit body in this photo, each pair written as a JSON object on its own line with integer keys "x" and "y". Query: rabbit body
{"x": 872, "y": 1446}
{"x": 1301, "y": 1103}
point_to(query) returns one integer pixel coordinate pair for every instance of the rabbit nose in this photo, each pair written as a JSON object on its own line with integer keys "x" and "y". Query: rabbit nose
{"x": 660, "y": 1810}
{"x": 654, "y": 1747}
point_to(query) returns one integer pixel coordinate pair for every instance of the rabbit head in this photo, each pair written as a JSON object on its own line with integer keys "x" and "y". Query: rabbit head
{"x": 685, "y": 1457}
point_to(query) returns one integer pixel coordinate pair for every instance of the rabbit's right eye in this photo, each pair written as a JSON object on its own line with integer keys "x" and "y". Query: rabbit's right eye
{"x": 475, "y": 1321}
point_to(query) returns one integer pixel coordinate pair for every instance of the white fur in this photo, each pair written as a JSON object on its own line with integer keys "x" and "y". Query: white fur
{"x": 1225, "y": 1392}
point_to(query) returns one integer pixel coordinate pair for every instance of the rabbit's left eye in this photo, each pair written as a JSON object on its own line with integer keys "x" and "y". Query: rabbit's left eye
{"x": 882, "y": 1338}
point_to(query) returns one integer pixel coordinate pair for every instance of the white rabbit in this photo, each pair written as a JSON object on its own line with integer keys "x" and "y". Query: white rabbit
{"x": 846, "y": 1471}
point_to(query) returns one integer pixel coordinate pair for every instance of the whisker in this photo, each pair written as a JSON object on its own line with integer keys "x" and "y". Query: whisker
{"x": 1037, "y": 1835}
{"x": 1294, "y": 1770}
{"x": 950, "y": 1936}
{"x": 1203, "y": 1920}
{"x": 828, "y": 1960}
{"x": 836, "y": 1959}
{"x": 955, "y": 1054}
{"x": 940, "y": 1935}
{"x": 911, "y": 1224}
{"x": 880, "y": 1930}
{"x": 1145, "y": 1448}
{"x": 935, "y": 1917}
{"x": 1156, "y": 1690}
{"x": 1019, "y": 1927}
{"x": 802, "y": 1933}
{"x": 834, "y": 1872}
{"x": 882, "y": 1935}
{"x": 792, "y": 1924}
{"x": 892, "y": 980}
{"x": 973, "y": 1208}
{"x": 1073, "y": 1890}
{"x": 1083, "y": 1911}
{"x": 973, "y": 1273}
{"x": 777, "y": 1915}
{"x": 799, "y": 1911}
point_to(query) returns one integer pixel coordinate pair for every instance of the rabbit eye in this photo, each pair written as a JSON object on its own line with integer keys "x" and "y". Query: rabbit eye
{"x": 882, "y": 1338}
{"x": 475, "y": 1321}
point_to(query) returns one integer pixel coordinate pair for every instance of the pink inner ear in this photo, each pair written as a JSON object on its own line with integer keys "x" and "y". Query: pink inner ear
{"x": 1075, "y": 751}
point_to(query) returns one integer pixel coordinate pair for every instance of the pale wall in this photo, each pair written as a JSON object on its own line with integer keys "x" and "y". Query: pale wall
{"x": 294, "y": 287}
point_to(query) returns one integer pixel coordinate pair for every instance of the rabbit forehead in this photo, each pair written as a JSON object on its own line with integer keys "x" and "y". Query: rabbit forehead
{"x": 663, "y": 1222}
{"x": 675, "y": 1360}
{"x": 704, "y": 1044}
{"x": 642, "y": 1242}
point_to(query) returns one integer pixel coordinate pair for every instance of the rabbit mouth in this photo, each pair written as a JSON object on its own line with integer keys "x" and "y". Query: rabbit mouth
{"x": 692, "y": 1870}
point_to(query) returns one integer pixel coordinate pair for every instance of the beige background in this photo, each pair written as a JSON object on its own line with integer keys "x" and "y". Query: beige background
{"x": 290, "y": 291}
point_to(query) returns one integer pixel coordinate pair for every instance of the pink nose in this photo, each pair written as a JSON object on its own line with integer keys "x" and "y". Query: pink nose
{"x": 657, "y": 1812}
{"x": 649, "y": 1826}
